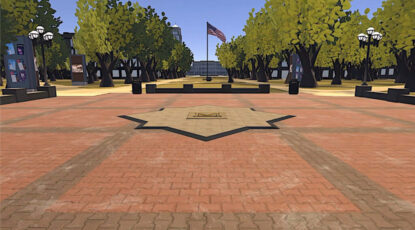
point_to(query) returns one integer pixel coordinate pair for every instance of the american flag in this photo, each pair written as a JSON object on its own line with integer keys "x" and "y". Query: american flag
{"x": 215, "y": 32}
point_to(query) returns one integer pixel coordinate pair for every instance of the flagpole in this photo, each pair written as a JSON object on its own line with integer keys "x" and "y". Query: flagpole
{"x": 207, "y": 53}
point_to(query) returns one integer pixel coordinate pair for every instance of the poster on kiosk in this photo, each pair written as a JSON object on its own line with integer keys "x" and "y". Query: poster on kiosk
{"x": 20, "y": 64}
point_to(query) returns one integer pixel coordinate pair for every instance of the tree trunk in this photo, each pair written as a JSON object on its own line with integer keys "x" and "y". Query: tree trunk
{"x": 107, "y": 63}
{"x": 154, "y": 69}
{"x": 3, "y": 72}
{"x": 149, "y": 70}
{"x": 337, "y": 80}
{"x": 92, "y": 72}
{"x": 268, "y": 70}
{"x": 41, "y": 77}
{"x": 143, "y": 73}
{"x": 319, "y": 73}
{"x": 230, "y": 75}
{"x": 128, "y": 68}
{"x": 175, "y": 73}
{"x": 253, "y": 71}
{"x": 261, "y": 66}
{"x": 349, "y": 71}
{"x": 50, "y": 75}
{"x": 308, "y": 79}
{"x": 402, "y": 67}
{"x": 360, "y": 71}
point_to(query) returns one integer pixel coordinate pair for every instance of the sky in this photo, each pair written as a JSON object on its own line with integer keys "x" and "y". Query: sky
{"x": 229, "y": 16}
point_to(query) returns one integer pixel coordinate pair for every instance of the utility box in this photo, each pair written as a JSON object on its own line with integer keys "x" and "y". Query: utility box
{"x": 137, "y": 87}
{"x": 293, "y": 87}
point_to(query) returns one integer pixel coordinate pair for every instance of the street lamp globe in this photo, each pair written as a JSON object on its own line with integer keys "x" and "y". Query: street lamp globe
{"x": 33, "y": 35}
{"x": 361, "y": 37}
{"x": 48, "y": 36}
{"x": 366, "y": 38}
{"x": 380, "y": 36}
{"x": 370, "y": 30}
{"x": 40, "y": 29}
{"x": 376, "y": 35}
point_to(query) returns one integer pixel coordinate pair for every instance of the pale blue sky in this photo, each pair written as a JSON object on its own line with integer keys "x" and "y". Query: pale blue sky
{"x": 191, "y": 15}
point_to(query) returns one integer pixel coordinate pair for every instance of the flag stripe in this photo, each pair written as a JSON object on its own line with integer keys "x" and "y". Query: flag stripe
{"x": 216, "y": 32}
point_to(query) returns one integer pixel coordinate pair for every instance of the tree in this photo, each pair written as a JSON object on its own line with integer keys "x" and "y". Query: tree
{"x": 261, "y": 44}
{"x": 232, "y": 57}
{"x": 227, "y": 58}
{"x": 306, "y": 26}
{"x": 16, "y": 19}
{"x": 58, "y": 53}
{"x": 104, "y": 28}
{"x": 7, "y": 35}
{"x": 180, "y": 60}
{"x": 154, "y": 43}
{"x": 21, "y": 13}
{"x": 396, "y": 25}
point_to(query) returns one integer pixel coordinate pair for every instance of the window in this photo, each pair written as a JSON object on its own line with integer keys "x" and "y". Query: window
{"x": 99, "y": 73}
{"x": 391, "y": 71}
{"x": 284, "y": 74}
{"x": 274, "y": 73}
{"x": 115, "y": 73}
{"x": 134, "y": 73}
{"x": 325, "y": 73}
{"x": 383, "y": 72}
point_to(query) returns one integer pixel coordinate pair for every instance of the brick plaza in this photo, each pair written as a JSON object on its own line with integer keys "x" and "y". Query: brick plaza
{"x": 340, "y": 163}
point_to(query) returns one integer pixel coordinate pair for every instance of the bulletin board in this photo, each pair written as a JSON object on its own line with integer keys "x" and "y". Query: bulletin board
{"x": 20, "y": 65}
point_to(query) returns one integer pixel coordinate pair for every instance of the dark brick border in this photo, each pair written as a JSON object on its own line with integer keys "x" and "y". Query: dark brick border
{"x": 206, "y": 138}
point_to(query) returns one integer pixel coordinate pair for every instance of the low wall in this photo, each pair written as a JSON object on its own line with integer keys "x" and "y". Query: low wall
{"x": 393, "y": 95}
{"x": 13, "y": 95}
{"x": 226, "y": 88}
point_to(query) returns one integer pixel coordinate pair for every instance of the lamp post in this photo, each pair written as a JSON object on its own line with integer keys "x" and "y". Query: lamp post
{"x": 44, "y": 39}
{"x": 366, "y": 40}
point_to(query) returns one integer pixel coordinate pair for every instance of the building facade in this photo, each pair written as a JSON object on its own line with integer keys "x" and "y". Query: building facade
{"x": 177, "y": 32}
{"x": 200, "y": 68}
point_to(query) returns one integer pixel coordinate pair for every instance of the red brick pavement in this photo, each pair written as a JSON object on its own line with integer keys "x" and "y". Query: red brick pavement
{"x": 24, "y": 157}
{"x": 230, "y": 174}
{"x": 333, "y": 118}
{"x": 82, "y": 118}
{"x": 253, "y": 171}
{"x": 386, "y": 159}
{"x": 10, "y": 114}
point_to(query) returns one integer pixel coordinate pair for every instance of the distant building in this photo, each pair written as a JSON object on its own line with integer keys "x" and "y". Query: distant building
{"x": 68, "y": 38}
{"x": 177, "y": 32}
{"x": 199, "y": 68}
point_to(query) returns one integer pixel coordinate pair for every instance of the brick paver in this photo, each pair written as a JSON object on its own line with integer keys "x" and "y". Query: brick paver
{"x": 384, "y": 158}
{"x": 342, "y": 163}
{"x": 24, "y": 157}
{"x": 183, "y": 175}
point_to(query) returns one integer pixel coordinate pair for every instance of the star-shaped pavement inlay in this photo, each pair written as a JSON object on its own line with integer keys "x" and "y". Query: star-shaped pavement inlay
{"x": 206, "y": 122}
